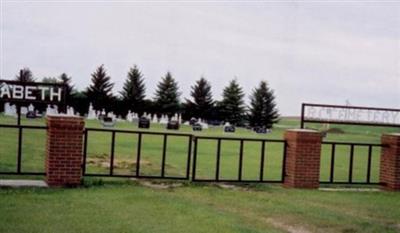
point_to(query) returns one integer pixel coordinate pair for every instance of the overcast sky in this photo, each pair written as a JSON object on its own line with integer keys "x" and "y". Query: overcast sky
{"x": 307, "y": 51}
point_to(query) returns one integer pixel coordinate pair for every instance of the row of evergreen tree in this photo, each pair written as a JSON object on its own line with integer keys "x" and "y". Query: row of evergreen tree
{"x": 262, "y": 110}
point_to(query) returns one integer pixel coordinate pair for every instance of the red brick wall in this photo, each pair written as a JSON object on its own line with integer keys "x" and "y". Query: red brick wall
{"x": 303, "y": 154}
{"x": 64, "y": 151}
{"x": 390, "y": 162}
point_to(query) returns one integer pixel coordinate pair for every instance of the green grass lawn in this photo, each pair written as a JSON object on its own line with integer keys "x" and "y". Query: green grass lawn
{"x": 121, "y": 205}
{"x": 130, "y": 207}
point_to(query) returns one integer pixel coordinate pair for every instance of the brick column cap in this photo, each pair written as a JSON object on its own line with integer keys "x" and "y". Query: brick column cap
{"x": 392, "y": 134}
{"x": 303, "y": 131}
{"x": 62, "y": 115}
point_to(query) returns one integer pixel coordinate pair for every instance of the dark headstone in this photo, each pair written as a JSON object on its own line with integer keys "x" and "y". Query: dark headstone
{"x": 107, "y": 121}
{"x": 31, "y": 115}
{"x": 192, "y": 121}
{"x": 261, "y": 130}
{"x": 197, "y": 127}
{"x": 229, "y": 129}
{"x": 173, "y": 125}
{"x": 144, "y": 123}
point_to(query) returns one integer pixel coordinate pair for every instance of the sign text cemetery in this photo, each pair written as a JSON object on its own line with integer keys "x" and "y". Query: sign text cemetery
{"x": 338, "y": 114}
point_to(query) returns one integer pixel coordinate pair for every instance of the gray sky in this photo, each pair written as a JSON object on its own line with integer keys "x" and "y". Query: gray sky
{"x": 307, "y": 51}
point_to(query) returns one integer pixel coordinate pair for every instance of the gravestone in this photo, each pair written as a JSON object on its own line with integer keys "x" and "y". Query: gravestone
{"x": 154, "y": 120}
{"x": 108, "y": 121}
{"x": 10, "y": 110}
{"x": 144, "y": 123}
{"x": 173, "y": 125}
{"x": 91, "y": 113}
{"x": 164, "y": 119}
{"x": 197, "y": 127}
{"x": 228, "y": 128}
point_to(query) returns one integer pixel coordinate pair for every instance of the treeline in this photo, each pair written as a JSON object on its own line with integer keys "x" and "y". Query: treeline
{"x": 262, "y": 110}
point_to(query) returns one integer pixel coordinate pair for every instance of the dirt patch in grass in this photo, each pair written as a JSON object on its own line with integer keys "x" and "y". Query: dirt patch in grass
{"x": 160, "y": 185}
{"x": 104, "y": 162}
{"x": 287, "y": 227}
{"x": 334, "y": 130}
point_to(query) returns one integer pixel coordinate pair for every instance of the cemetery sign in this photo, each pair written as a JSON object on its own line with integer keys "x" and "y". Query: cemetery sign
{"x": 15, "y": 92}
{"x": 351, "y": 115}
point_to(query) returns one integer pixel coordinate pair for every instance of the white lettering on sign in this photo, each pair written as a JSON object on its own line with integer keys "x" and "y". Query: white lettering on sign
{"x": 352, "y": 115}
{"x": 15, "y": 92}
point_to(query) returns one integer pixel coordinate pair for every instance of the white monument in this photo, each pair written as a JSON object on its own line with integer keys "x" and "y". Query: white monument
{"x": 164, "y": 119}
{"x": 91, "y": 113}
{"x": 10, "y": 110}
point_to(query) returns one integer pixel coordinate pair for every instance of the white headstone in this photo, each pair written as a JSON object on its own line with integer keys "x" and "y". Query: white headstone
{"x": 24, "y": 110}
{"x": 155, "y": 120}
{"x": 31, "y": 108}
{"x": 10, "y": 110}
{"x": 129, "y": 116}
{"x": 91, "y": 113}
{"x": 70, "y": 111}
{"x": 164, "y": 119}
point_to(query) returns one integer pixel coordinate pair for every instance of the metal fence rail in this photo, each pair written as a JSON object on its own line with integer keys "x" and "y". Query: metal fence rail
{"x": 352, "y": 146}
{"x": 191, "y": 171}
{"x": 137, "y": 173}
{"x": 242, "y": 141}
{"x": 20, "y": 128}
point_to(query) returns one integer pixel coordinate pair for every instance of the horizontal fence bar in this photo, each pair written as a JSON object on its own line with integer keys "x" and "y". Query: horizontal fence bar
{"x": 134, "y": 176}
{"x": 239, "y": 139}
{"x": 239, "y": 181}
{"x": 352, "y": 143}
{"x": 345, "y": 182}
{"x": 24, "y": 173}
{"x": 23, "y": 126}
{"x": 137, "y": 132}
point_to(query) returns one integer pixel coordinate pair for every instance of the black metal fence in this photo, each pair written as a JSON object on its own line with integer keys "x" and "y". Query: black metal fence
{"x": 18, "y": 170}
{"x": 339, "y": 161}
{"x": 139, "y": 144}
{"x": 262, "y": 158}
{"x": 350, "y": 156}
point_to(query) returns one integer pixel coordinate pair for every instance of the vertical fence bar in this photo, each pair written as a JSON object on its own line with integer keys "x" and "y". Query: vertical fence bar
{"x": 112, "y": 153}
{"x": 189, "y": 155}
{"x": 194, "y": 159}
{"x": 19, "y": 155}
{"x": 302, "y": 116}
{"x": 283, "y": 174}
{"x": 369, "y": 164}
{"x": 139, "y": 148}
{"x": 351, "y": 163}
{"x": 163, "y": 156}
{"x": 218, "y": 159}
{"x": 240, "y": 160}
{"x": 332, "y": 173}
{"x": 262, "y": 160}
{"x": 84, "y": 151}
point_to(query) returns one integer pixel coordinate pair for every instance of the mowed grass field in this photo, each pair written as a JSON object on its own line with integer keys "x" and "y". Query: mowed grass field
{"x": 99, "y": 151}
{"x": 123, "y": 205}
{"x": 131, "y": 207}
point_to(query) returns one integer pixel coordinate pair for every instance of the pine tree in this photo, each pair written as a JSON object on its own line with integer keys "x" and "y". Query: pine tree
{"x": 64, "y": 79}
{"x": 25, "y": 75}
{"x": 232, "y": 104}
{"x": 167, "y": 95}
{"x": 263, "y": 111}
{"x": 99, "y": 92}
{"x": 133, "y": 91}
{"x": 202, "y": 102}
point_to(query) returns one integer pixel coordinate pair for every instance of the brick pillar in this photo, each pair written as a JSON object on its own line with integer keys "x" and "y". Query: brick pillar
{"x": 64, "y": 150}
{"x": 303, "y": 155}
{"x": 389, "y": 174}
